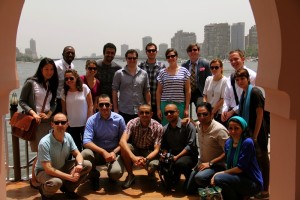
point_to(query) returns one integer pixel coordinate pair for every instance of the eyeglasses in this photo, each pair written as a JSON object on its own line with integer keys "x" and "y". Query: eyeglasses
{"x": 190, "y": 50}
{"x": 151, "y": 50}
{"x": 101, "y": 105}
{"x": 131, "y": 58}
{"x": 144, "y": 113}
{"x": 171, "y": 112}
{"x": 69, "y": 78}
{"x": 214, "y": 67}
{"x": 205, "y": 114}
{"x": 92, "y": 68}
{"x": 171, "y": 56}
{"x": 60, "y": 122}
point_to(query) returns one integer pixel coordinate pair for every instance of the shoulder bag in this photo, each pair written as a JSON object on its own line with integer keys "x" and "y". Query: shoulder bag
{"x": 23, "y": 126}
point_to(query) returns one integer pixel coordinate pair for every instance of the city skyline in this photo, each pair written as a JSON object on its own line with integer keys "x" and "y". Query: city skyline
{"x": 88, "y": 28}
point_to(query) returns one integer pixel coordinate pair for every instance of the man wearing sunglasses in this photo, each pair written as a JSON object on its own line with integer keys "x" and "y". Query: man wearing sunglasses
{"x": 101, "y": 138}
{"x": 53, "y": 169}
{"x": 62, "y": 65}
{"x": 199, "y": 69}
{"x": 132, "y": 83}
{"x": 212, "y": 136}
{"x": 145, "y": 136}
{"x": 152, "y": 67}
{"x": 180, "y": 141}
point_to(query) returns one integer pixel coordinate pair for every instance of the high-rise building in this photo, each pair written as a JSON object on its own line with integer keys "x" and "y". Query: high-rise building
{"x": 216, "y": 42}
{"x": 124, "y": 48}
{"x": 181, "y": 40}
{"x": 33, "y": 49}
{"x": 162, "y": 50}
{"x": 238, "y": 36}
{"x": 252, "y": 41}
{"x": 146, "y": 40}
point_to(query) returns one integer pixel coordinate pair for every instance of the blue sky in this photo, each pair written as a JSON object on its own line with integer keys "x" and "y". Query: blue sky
{"x": 88, "y": 25}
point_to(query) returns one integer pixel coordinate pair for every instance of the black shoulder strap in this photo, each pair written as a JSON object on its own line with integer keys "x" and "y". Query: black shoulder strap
{"x": 234, "y": 89}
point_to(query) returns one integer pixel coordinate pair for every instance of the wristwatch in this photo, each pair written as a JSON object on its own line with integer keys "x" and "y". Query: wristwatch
{"x": 211, "y": 164}
{"x": 79, "y": 163}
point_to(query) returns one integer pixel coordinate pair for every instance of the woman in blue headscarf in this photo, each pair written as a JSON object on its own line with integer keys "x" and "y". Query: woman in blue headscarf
{"x": 242, "y": 176}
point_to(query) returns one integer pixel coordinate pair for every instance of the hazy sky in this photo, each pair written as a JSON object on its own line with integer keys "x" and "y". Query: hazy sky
{"x": 89, "y": 24}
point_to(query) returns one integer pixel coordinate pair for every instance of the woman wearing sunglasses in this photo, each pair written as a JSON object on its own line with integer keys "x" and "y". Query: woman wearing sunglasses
{"x": 173, "y": 87}
{"x": 214, "y": 88}
{"x": 77, "y": 104}
{"x": 90, "y": 80}
{"x": 38, "y": 98}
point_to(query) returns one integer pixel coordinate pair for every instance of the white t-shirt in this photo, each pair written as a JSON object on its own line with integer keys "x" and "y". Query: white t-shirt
{"x": 76, "y": 106}
{"x": 39, "y": 95}
{"x": 214, "y": 90}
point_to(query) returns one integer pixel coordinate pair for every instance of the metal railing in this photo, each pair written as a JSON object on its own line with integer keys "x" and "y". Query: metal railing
{"x": 21, "y": 167}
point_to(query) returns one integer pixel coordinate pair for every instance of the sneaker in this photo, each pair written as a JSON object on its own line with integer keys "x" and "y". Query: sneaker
{"x": 262, "y": 196}
{"x": 95, "y": 184}
{"x": 129, "y": 180}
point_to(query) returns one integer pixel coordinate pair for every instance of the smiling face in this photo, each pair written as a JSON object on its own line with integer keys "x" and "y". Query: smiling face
{"x": 236, "y": 61}
{"x": 48, "y": 71}
{"x": 91, "y": 69}
{"x": 131, "y": 59}
{"x": 69, "y": 54}
{"x": 235, "y": 129}
{"x": 171, "y": 57}
{"x": 193, "y": 53}
{"x": 172, "y": 113}
{"x": 151, "y": 52}
{"x": 204, "y": 116}
{"x": 104, "y": 106}
{"x": 216, "y": 68}
{"x": 70, "y": 80}
{"x": 145, "y": 114}
{"x": 109, "y": 55}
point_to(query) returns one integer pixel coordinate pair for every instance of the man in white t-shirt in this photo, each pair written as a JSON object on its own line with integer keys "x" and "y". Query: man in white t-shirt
{"x": 233, "y": 91}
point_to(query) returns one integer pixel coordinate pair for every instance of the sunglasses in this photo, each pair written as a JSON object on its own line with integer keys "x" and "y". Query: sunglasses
{"x": 171, "y": 56}
{"x": 69, "y": 78}
{"x": 202, "y": 114}
{"x": 144, "y": 113}
{"x": 190, "y": 50}
{"x": 92, "y": 68}
{"x": 60, "y": 122}
{"x": 171, "y": 112}
{"x": 131, "y": 58}
{"x": 101, "y": 105}
{"x": 214, "y": 67}
{"x": 151, "y": 50}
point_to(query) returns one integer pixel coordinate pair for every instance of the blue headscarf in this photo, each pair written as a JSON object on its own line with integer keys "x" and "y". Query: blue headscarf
{"x": 239, "y": 120}
{"x": 243, "y": 123}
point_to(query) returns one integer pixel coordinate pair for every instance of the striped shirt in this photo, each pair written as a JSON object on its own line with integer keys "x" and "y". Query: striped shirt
{"x": 173, "y": 85}
{"x": 144, "y": 138}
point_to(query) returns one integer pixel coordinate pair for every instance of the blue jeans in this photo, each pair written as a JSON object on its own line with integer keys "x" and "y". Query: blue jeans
{"x": 234, "y": 187}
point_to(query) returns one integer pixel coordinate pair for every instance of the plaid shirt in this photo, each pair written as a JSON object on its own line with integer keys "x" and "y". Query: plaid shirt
{"x": 152, "y": 76}
{"x": 144, "y": 138}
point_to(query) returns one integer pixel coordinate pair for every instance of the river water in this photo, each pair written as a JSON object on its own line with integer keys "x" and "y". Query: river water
{"x": 27, "y": 69}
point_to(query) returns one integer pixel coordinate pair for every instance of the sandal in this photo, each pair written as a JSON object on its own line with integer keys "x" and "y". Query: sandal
{"x": 34, "y": 186}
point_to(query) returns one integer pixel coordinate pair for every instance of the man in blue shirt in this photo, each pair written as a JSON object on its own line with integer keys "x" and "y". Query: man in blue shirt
{"x": 101, "y": 138}
{"x": 53, "y": 169}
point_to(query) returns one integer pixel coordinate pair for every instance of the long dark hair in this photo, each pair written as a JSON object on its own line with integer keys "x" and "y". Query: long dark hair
{"x": 77, "y": 78}
{"x": 39, "y": 78}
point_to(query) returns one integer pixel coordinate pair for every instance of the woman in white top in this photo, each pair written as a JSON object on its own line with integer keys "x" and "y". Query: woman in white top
{"x": 32, "y": 98}
{"x": 214, "y": 88}
{"x": 77, "y": 104}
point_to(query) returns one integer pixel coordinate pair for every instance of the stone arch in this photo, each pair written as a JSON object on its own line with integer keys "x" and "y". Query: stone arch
{"x": 278, "y": 29}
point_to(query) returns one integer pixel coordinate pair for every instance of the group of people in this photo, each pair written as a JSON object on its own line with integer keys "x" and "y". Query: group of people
{"x": 135, "y": 115}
